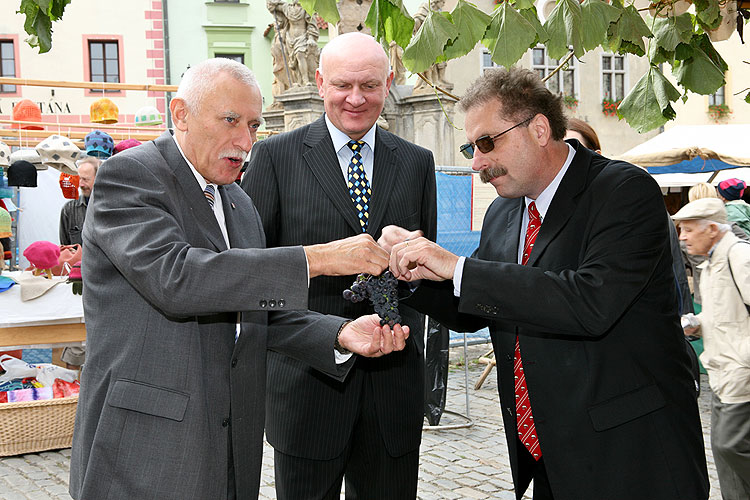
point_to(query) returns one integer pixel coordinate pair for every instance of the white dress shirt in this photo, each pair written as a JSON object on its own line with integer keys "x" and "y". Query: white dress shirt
{"x": 344, "y": 153}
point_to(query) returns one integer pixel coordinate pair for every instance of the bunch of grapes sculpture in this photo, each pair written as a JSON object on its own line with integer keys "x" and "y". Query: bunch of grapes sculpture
{"x": 382, "y": 292}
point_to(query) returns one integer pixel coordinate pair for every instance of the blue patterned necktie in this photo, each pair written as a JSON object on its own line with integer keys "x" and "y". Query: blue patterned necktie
{"x": 210, "y": 194}
{"x": 359, "y": 187}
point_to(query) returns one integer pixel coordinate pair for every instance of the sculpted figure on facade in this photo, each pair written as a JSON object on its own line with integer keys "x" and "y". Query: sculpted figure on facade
{"x": 436, "y": 73}
{"x": 299, "y": 42}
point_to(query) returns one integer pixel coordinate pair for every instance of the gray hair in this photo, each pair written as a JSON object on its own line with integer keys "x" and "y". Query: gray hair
{"x": 704, "y": 223}
{"x": 198, "y": 80}
{"x": 93, "y": 160}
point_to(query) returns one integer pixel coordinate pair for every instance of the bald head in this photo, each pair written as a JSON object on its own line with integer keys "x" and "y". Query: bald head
{"x": 354, "y": 46}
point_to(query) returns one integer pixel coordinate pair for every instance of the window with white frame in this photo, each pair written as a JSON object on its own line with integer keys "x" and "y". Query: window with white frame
{"x": 717, "y": 98}
{"x": 613, "y": 77}
{"x": 7, "y": 64}
{"x": 487, "y": 62}
{"x": 564, "y": 81}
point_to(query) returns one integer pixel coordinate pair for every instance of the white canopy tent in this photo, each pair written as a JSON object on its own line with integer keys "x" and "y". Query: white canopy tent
{"x": 688, "y": 154}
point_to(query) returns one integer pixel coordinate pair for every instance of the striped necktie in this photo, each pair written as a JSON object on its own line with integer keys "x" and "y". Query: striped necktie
{"x": 210, "y": 194}
{"x": 524, "y": 419}
{"x": 359, "y": 187}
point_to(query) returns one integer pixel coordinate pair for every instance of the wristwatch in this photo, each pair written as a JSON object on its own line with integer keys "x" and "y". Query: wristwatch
{"x": 336, "y": 345}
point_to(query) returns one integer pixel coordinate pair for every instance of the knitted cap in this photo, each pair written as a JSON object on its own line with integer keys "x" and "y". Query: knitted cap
{"x": 59, "y": 152}
{"x": 4, "y": 155}
{"x": 5, "y": 220}
{"x": 148, "y": 115}
{"x": 103, "y": 111}
{"x": 126, "y": 144}
{"x": 69, "y": 185}
{"x": 705, "y": 209}
{"x": 42, "y": 254}
{"x": 99, "y": 144}
{"x": 732, "y": 189}
{"x": 22, "y": 173}
{"x": 26, "y": 111}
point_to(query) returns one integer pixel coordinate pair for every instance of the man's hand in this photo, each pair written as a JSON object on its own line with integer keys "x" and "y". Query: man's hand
{"x": 366, "y": 337}
{"x": 353, "y": 255}
{"x": 392, "y": 235}
{"x": 422, "y": 259}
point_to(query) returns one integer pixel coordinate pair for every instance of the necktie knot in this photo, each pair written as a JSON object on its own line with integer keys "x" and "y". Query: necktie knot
{"x": 210, "y": 194}
{"x": 355, "y": 145}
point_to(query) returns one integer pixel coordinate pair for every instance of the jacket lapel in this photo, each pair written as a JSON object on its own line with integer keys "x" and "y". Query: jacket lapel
{"x": 563, "y": 203}
{"x": 384, "y": 173}
{"x": 510, "y": 247}
{"x": 191, "y": 189}
{"x": 324, "y": 164}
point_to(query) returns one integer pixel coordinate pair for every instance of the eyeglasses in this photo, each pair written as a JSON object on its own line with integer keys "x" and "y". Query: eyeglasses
{"x": 485, "y": 144}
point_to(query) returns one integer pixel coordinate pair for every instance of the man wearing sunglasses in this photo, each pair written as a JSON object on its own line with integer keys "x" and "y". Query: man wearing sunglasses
{"x": 573, "y": 278}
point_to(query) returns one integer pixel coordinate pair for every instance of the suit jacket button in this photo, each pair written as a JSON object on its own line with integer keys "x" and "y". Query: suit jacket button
{"x": 271, "y": 303}
{"x": 263, "y": 304}
{"x": 225, "y": 422}
{"x": 282, "y": 302}
{"x": 234, "y": 362}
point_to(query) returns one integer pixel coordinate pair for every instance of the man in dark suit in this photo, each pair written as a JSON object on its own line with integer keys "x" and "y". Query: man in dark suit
{"x": 368, "y": 427}
{"x": 573, "y": 277}
{"x": 179, "y": 293}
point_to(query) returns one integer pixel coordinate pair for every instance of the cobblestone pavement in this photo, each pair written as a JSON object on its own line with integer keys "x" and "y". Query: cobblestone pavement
{"x": 468, "y": 463}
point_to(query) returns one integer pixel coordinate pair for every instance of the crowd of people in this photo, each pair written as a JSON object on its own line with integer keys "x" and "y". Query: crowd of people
{"x": 213, "y": 316}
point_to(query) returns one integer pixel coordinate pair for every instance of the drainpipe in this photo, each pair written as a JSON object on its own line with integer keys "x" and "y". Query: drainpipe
{"x": 167, "y": 72}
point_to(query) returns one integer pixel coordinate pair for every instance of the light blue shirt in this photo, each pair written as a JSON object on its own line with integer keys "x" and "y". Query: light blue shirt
{"x": 344, "y": 153}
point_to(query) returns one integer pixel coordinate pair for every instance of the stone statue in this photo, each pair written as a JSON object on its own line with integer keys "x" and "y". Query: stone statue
{"x": 436, "y": 73}
{"x": 397, "y": 65}
{"x": 299, "y": 35}
{"x": 353, "y": 14}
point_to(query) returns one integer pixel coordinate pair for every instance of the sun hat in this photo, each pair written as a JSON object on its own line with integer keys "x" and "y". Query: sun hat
{"x": 703, "y": 209}
{"x": 26, "y": 111}
{"x": 99, "y": 144}
{"x": 59, "y": 152}
{"x": 148, "y": 115}
{"x": 103, "y": 111}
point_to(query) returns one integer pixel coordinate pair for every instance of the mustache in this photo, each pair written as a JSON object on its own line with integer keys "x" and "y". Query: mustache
{"x": 490, "y": 173}
{"x": 234, "y": 153}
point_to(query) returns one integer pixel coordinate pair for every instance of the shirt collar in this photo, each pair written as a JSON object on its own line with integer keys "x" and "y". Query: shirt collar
{"x": 340, "y": 139}
{"x": 198, "y": 177}
{"x": 544, "y": 200}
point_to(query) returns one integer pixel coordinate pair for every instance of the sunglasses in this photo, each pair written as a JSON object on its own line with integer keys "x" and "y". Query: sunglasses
{"x": 485, "y": 144}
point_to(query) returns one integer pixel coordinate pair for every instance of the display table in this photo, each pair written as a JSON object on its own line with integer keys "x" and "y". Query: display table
{"x": 53, "y": 320}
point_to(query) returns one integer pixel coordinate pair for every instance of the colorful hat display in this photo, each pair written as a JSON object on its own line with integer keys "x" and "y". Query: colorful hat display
{"x": 42, "y": 254}
{"x": 126, "y": 144}
{"x": 4, "y": 155}
{"x": 5, "y": 191}
{"x": 60, "y": 153}
{"x": 103, "y": 111}
{"x": 5, "y": 222}
{"x": 99, "y": 144}
{"x": 29, "y": 155}
{"x": 26, "y": 111}
{"x": 148, "y": 115}
{"x": 69, "y": 185}
{"x": 732, "y": 189}
{"x": 22, "y": 174}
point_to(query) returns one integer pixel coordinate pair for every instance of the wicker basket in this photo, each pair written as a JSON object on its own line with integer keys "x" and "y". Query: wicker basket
{"x": 32, "y": 426}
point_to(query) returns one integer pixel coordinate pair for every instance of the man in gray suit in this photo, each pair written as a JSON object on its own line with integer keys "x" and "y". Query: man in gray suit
{"x": 366, "y": 429}
{"x": 182, "y": 301}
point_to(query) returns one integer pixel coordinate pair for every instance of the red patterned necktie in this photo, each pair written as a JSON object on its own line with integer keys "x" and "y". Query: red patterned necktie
{"x": 524, "y": 419}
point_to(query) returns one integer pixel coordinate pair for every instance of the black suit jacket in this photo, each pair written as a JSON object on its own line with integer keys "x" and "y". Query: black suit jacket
{"x": 297, "y": 185}
{"x": 603, "y": 354}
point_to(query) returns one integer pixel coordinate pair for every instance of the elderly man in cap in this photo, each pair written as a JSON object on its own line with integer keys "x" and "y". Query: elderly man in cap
{"x": 724, "y": 324}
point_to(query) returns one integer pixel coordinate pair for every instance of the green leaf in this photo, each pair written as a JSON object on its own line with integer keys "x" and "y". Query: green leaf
{"x": 698, "y": 73}
{"x": 626, "y": 35}
{"x": 471, "y": 23}
{"x": 427, "y": 44}
{"x": 325, "y": 8}
{"x": 43, "y": 29}
{"x": 671, "y": 31}
{"x": 707, "y": 13}
{"x": 704, "y": 43}
{"x": 683, "y": 51}
{"x": 564, "y": 26}
{"x": 747, "y": 97}
{"x": 43, "y": 5}
{"x": 597, "y": 16}
{"x": 389, "y": 21}
{"x": 531, "y": 16}
{"x": 509, "y": 35}
{"x": 523, "y": 4}
{"x": 648, "y": 105}
{"x": 57, "y": 8}
{"x": 659, "y": 55}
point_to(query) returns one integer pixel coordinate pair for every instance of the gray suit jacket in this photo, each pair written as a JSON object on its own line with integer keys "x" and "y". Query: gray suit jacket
{"x": 296, "y": 182}
{"x": 165, "y": 385}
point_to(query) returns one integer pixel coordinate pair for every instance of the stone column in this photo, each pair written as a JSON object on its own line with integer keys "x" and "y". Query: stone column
{"x": 426, "y": 124}
{"x": 302, "y": 105}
